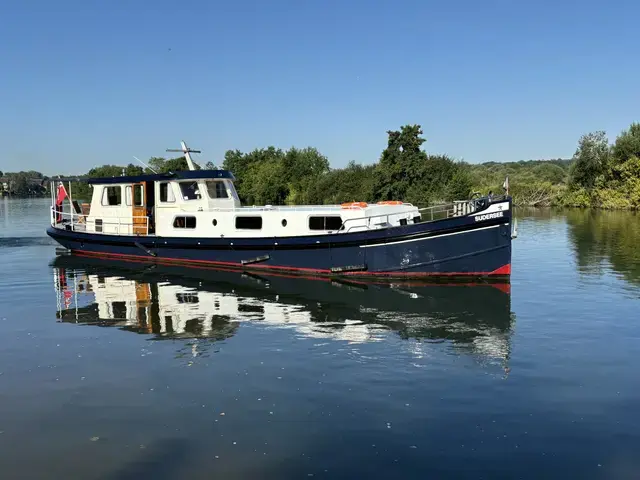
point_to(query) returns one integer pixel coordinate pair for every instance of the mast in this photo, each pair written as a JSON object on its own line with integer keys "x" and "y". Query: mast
{"x": 186, "y": 152}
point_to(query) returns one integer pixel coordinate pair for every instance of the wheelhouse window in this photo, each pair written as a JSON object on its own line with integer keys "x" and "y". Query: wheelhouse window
{"x": 112, "y": 196}
{"x": 184, "y": 221}
{"x": 325, "y": 223}
{"x": 190, "y": 190}
{"x": 166, "y": 193}
{"x": 216, "y": 189}
{"x": 248, "y": 223}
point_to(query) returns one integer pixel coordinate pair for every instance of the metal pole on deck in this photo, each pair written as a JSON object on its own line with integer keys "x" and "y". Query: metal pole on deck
{"x": 71, "y": 206}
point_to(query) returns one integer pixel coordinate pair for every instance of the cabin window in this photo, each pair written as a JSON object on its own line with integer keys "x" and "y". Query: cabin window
{"x": 138, "y": 195}
{"x": 190, "y": 190}
{"x": 166, "y": 193}
{"x": 112, "y": 196}
{"x": 216, "y": 189}
{"x": 325, "y": 223}
{"x": 248, "y": 223}
{"x": 186, "y": 221}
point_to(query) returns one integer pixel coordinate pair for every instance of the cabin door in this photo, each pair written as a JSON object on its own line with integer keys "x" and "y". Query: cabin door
{"x": 139, "y": 209}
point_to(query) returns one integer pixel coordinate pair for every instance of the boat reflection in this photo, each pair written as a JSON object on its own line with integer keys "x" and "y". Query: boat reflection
{"x": 175, "y": 302}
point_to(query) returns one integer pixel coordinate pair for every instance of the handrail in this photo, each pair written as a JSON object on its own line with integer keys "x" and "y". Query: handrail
{"x": 455, "y": 208}
{"x": 79, "y": 222}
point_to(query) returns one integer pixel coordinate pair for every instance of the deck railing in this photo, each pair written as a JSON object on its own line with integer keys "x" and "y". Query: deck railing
{"x": 427, "y": 214}
{"x": 77, "y": 222}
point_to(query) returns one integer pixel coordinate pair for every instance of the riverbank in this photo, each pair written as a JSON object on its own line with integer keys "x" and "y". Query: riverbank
{"x": 625, "y": 197}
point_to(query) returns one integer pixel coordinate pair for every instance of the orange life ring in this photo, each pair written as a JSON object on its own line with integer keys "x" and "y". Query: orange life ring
{"x": 354, "y": 205}
{"x": 390, "y": 202}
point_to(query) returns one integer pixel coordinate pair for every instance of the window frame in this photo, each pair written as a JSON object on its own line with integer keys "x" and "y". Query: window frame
{"x": 105, "y": 196}
{"x": 248, "y": 216}
{"x": 133, "y": 193}
{"x": 191, "y": 182}
{"x": 216, "y": 183}
{"x": 186, "y": 225}
{"x": 324, "y": 223}
{"x": 169, "y": 189}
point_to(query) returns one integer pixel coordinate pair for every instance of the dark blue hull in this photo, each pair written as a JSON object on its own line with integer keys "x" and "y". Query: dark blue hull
{"x": 453, "y": 247}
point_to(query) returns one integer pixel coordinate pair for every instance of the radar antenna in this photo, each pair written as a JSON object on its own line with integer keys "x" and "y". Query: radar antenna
{"x": 186, "y": 151}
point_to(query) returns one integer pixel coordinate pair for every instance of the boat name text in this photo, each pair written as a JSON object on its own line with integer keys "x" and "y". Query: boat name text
{"x": 488, "y": 216}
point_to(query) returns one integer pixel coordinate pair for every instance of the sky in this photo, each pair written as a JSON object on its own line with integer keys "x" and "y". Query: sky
{"x": 84, "y": 83}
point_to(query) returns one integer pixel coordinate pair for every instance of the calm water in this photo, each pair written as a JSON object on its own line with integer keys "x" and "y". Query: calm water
{"x": 112, "y": 371}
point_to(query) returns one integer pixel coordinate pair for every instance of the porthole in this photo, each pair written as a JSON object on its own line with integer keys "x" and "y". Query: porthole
{"x": 215, "y": 222}
{"x": 284, "y": 222}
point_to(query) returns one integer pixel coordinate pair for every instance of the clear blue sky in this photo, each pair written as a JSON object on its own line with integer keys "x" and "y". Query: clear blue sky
{"x": 83, "y": 83}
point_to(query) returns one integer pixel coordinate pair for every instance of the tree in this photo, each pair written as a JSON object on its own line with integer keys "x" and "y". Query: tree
{"x": 430, "y": 180}
{"x": 349, "y": 184}
{"x": 400, "y": 163}
{"x": 20, "y": 184}
{"x": 242, "y": 167}
{"x": 591, "y": 160}
{"x": 459, "y": 185}
{"x": 266, "y": 183}
{"x": 627, "y": 144}
{"x": 270, "y": 175}
{"x": 162, "y": 165}
{"x": 156, "y": 164}
{"x": 549, "y": 172}
{"x": 302, "y": 169}
{"x": 175, "y": 165}
{"x": 115, "y": 171}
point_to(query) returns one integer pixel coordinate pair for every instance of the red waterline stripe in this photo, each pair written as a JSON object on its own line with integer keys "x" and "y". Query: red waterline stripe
{"x": 504, "y": 270}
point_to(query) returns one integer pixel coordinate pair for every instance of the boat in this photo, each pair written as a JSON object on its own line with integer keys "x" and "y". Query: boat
{"x": 195, "y": 218}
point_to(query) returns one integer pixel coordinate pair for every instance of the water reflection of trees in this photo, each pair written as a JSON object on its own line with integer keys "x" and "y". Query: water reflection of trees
{"x": 203, "y": 308}
{"x": 601, "y": 237}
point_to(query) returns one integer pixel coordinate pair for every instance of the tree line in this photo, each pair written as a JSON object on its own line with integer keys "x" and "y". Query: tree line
{"x": 23, "y": 184}
{"x": 599, "y": 174}
{"x": 605, "y": 175}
